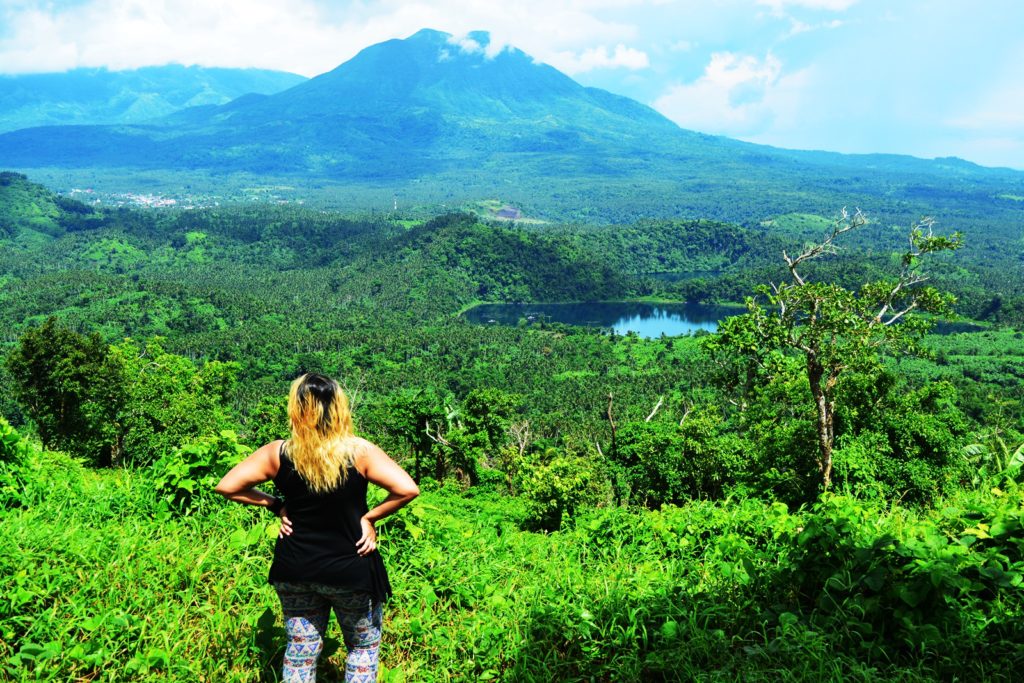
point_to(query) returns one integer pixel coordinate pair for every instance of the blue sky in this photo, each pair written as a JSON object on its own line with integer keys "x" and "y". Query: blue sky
{"x": 939, "y": 78}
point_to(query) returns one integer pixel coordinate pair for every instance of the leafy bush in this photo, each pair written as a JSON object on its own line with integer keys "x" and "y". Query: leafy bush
{"x": 30, "y": 476}
{"x": 185, "y": 478}
{"x": 13, "y": 448}
{"x": 170, "y": 400}
{"x": 13, "y": 452}
{"x": 711, "y": 591}
{"x": 662, "y": 462}
{"x": 907, "y": 445}
{"x": 894, "y": 587}
{"x": 267, "y": 420}
{"x": 556, "y": 484}
{"x": 72, "y": 387}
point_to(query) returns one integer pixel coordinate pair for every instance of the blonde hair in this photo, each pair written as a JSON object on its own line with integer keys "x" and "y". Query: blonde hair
{"x": 322, "y": 444}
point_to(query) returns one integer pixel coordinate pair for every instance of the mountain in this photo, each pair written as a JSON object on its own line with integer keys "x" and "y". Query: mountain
{"x": 401, "y": 108}
{"x": 97, "y": 96}
{"x": 440, "y": 123}
{"x": 28, "y": 206}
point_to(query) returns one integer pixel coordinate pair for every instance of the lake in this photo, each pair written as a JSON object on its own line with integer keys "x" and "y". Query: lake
{"x": 647, "y": 320}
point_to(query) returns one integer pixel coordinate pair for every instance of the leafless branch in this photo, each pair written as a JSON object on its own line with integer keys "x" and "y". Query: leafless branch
{"x": 777, "y": 290}
{"x": 520, "y": 433}
{"x": 353, "y": 388}
{"x": 899, "y": 314}
{"x": 687, "y": 409}
{"x": 742, "y": 405}
{"x": 661, "y": 399}
{"x": 906, "y": 281}
{"x": 437, "y": 436}
{"x": 845, "y": 223}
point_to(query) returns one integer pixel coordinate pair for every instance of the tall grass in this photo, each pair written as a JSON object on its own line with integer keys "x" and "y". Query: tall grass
{"x": 101, "y": 582}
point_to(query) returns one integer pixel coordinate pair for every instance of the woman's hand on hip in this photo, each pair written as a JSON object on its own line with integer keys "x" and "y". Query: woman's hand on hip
{"x": 286, "y": 524}
{"x": 368, "y": 542}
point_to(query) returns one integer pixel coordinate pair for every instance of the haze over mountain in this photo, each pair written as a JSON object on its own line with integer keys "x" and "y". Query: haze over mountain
{"x": 446, "y": 120}
{"x": 99, "y": 96}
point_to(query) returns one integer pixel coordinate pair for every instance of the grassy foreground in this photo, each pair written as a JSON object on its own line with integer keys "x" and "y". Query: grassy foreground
{"x": 100, "y": 582}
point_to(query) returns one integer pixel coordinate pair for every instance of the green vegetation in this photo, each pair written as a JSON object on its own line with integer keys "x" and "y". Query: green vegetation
{"x": 109, "y": 585}
{"x": 28, "y": 207}
{"x": 596, "y": 506}
{"x": 836, "y": 331}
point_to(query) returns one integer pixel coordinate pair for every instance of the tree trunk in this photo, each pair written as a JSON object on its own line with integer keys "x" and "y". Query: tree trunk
{"x": 825, "y": 414}
{"x": 117, "y": 450}
{"x": 611, "y": 421}
{"x": 439, "y": 465}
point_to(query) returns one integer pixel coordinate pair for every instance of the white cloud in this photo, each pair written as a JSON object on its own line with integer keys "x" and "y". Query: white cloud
{"x": 682, "y": 46}
{"x": 129, "y": 33}
{"x": 737, "y": 95}
{"x": 778, "y": 7}
{"x": 304, "y": 36}
{"x": 796, "y": 27}
{"x": 466, "y": 44}
{"x": 600, "y": 58}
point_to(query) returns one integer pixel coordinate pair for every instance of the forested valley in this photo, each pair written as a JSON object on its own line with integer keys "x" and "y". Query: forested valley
{"x": 823, "y": 489}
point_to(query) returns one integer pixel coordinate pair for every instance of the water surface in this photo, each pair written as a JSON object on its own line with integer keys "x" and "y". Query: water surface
{"x": 646, "y": 320}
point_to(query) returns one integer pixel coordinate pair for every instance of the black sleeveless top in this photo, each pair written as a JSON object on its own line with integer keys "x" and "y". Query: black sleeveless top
{"x": 325, "y": 528}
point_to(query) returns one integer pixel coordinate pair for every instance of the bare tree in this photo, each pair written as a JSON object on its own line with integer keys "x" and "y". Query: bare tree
{"x": 835, "y": 329}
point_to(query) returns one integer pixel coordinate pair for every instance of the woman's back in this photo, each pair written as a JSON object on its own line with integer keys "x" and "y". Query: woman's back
{"x": 325, "y": 529}
{"x": 326, "y": 554}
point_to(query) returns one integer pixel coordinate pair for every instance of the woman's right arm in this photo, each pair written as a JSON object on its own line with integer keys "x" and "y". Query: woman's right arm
{"x": 376, "y": 466}
{"x": 240, "y": 483}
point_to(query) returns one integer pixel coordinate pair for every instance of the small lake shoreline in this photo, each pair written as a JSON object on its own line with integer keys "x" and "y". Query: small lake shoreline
{"x": 649, "y": 317}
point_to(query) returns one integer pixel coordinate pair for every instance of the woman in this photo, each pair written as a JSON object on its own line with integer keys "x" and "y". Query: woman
{"x": 325, "y": 555}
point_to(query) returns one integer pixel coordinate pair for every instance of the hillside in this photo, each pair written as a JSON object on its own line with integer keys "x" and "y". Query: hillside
{"x": 26, "y": 206}
{"x": 427, "y": 268}
{"x": 98, "y": 96}
{"x": 674, "y": 486}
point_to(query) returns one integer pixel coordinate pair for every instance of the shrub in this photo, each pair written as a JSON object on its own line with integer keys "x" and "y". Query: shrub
{"x": 170, "y": 400}
{"x": 72, "y": 388}
{"x": 662, "y": 462}
{"x": 894, "y": 587}
{"x": 13, "y": 452}
{"x": 908, "y": 447}
{"x": 13, "y": 448}
{"x": 30, "y": 476}
{"x": 185, "y": 479}
{"x": 556, "y": 484}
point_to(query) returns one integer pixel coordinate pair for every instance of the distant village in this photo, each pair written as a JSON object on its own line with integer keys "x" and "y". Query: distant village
{"x": 158, "y": 201}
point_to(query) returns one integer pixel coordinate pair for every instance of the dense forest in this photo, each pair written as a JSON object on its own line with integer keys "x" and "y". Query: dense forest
{"x": 821, "y": 490}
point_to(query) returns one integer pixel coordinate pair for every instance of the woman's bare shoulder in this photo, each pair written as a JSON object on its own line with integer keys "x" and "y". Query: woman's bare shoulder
{"x": 365, "y": 452}
{"x": 363, "y": 447}
{"x": 273, "y": 448}
{"x": 271, "y": 454}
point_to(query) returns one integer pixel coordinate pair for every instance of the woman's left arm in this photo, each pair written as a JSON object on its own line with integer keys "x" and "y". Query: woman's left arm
{"x": 239, "y": 484}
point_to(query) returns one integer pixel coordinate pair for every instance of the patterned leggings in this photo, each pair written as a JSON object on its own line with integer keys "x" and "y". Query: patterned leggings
{"x": 307, "y": 607}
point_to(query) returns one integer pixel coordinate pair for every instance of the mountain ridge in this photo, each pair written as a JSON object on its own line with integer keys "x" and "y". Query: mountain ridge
{"x": 92, "y": 96}
{"x": 445, "y": 121}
